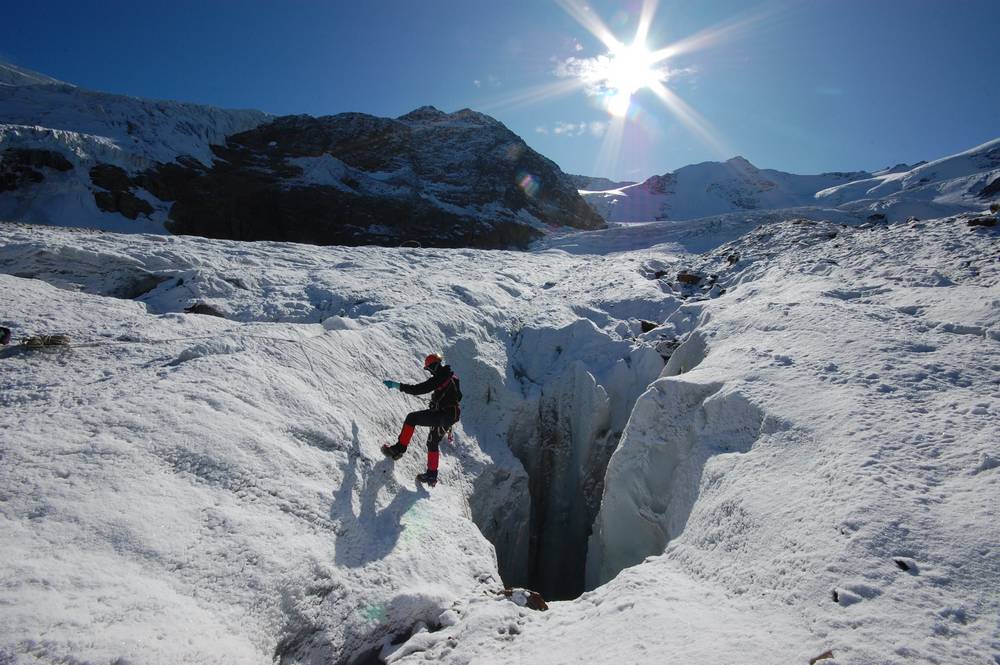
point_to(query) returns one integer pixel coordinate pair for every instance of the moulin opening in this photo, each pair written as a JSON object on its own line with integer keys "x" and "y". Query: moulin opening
{"x": 564, "y": 503}
{"x": 576, "y": 387}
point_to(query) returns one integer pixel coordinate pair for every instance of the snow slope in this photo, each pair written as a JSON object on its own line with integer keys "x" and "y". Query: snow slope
{"x": 933, "y": 189}
{"x": 88, "y": 128}
{"x": 944, "y": 187}
{"x": 814, "y": 467}
{"x": 218, "y": 496}
{"x": 712, "y": 188}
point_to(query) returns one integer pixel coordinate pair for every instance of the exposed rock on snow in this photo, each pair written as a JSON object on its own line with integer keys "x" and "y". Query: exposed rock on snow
{"x": 24, "y": 166}
{"x": 526, "y": 598}
{"x": 991, "y": 190}
{"x": 588, "y": 183}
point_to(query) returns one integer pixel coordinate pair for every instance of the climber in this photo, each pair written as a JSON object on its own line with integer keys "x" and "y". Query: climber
{"x": 4, "y": 336}
{"x": 444, "y": 412}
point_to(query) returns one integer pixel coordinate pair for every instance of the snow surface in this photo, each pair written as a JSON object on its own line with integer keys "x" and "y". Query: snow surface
{"x": 814, "y": 468}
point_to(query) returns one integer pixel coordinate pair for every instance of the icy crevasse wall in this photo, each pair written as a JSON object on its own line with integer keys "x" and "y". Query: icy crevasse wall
{"x": 655, "y": 475}
{"x": 578, "y": 385}
{"x": 499, "y": 502}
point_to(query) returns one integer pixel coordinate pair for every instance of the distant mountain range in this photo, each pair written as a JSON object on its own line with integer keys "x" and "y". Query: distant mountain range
{"x": 73, "y": 157}
{"x": 967, "y": 181}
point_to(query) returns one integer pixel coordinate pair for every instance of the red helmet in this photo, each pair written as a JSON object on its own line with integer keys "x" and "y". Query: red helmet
{"x": 432, "y": 359}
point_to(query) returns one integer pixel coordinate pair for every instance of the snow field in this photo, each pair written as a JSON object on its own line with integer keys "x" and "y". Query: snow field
{"x": 813, "y": 469}
{"x": 234, "y": 465}
{"x": 817, "y": 460}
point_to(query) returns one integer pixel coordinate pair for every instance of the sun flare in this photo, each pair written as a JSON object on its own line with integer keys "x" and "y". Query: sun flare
{"x": 625, "y": 71}
{"x": 615, "y": 77}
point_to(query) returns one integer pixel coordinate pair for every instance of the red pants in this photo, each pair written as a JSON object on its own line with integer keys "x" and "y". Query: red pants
{"x": 439, "y": 420}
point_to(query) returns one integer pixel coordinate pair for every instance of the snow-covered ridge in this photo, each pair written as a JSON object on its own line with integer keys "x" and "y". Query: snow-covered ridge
{"x": 145, "y": 131}
{"x": 953, "y": 182}
{"x": 946, "y": 186}
{"x": 812, "y": 470}
{"x": 14, "y": 75}
{"x": 87, "y": 128}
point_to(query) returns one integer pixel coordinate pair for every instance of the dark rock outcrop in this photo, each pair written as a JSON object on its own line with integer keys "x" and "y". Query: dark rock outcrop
{"x": 23, "y": 166}
{"x": 991, "y": 189}
{"x": 596, "y": 184}
{"x": 118, "y": 196}
{"x": 204, "y": 309}
{"x": 110, "y": 177}
{"x": 446, "y": 180}
{"x": 660, "y": 184}
{"x": 983, "y": 221}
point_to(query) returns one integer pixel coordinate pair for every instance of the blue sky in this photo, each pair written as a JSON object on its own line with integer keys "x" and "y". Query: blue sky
{"x": 800, "y": 85}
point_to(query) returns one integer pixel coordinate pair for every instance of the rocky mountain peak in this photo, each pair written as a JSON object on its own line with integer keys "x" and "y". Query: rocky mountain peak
{"x": 423, "y": 114}
{"x": 742, "y": 163}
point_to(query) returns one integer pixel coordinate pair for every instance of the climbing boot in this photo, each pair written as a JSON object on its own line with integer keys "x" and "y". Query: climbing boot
{"x": 395, "y": 451}
{"x": 429, "y": 478}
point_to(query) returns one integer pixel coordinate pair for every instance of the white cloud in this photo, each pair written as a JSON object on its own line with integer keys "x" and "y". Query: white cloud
{"x": 573, "y": 129}
{"x": 477, "y": 83}
{"x": 569, "y": 128}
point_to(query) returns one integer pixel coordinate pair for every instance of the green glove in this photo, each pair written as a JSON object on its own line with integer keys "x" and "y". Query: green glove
{"x": 391, "y": 385}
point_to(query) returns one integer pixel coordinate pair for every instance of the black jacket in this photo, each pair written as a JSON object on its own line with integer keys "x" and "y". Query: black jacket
{"x": 443, "y": 386}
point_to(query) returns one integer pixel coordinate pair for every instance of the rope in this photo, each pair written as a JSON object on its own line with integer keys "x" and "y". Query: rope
{"x": 313, "y": 368}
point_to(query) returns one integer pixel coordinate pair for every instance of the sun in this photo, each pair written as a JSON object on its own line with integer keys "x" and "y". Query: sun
{"x": 614, "y": 77}
{"x": 626, "y": 70}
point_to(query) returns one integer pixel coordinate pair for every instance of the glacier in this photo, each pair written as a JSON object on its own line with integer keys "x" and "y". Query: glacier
{"x": 797, "y": 455}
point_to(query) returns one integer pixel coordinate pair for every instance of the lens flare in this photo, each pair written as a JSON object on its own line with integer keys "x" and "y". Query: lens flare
{"x": 530, "y": 184}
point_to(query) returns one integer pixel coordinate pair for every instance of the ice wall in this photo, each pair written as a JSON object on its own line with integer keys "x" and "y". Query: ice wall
{"x": 579, "y": 384}
{"x": 654, "y": 477}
